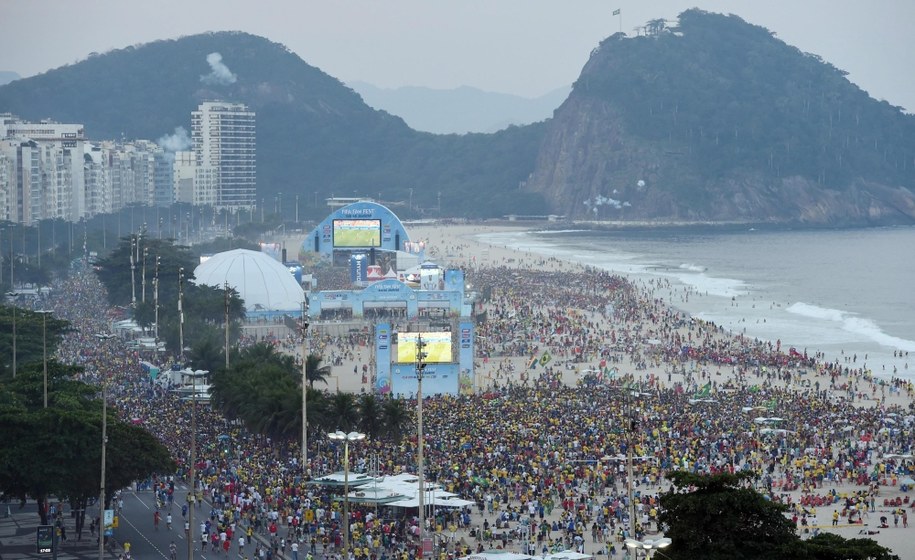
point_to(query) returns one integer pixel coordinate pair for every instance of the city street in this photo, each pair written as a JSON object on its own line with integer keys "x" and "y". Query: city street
{"x": 135, "y": 528}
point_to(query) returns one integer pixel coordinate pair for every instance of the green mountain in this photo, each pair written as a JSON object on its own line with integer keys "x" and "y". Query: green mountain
{"x": 716, "y": 119}
{"x": 709, "y": 119}
{"x": 314, "y": 134}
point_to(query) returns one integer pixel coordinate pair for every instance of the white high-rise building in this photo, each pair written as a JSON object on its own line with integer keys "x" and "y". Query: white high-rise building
{"x": 224, "y": 140}
{"x": 56, "y": 190}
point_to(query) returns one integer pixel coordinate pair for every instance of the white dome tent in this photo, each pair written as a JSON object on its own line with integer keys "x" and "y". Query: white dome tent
{"x": 266, "y": 286}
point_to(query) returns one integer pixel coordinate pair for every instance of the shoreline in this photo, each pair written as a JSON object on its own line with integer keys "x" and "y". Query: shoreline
{"x": 462, "y": 246}
{"x": 689, "y": 297}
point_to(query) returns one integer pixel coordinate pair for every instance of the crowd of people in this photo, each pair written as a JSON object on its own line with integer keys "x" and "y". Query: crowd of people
{"x": 540, "y": 448}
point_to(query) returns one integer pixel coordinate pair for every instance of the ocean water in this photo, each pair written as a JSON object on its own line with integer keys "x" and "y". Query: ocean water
{"x": 847, "y": 293}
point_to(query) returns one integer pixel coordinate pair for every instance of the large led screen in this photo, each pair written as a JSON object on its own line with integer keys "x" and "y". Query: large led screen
{"x": 357, "y": 233}
{"x": 438, "y": 347}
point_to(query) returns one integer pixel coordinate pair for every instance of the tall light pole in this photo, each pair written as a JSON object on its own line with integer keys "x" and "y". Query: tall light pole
{"x": 44, "y": 349}
{"x": 192, "y": 484}
{"x": 346, "y": 438}
{"x": 101, "y": 494}
{"x": 14, "y": 294}
{"x": 181, "y": 315}
{"x": 145, "y": 252}
{"x": 156, "y": 299}
{"x": 101, "y": 507}
{"x": 304, "y": 389}
{"x": 630, "y": 434}
{"x": 133, "y": 272}
{"x": 297, "y": 209}
{"x": 420, "y": 466}
{"x": 227, "y": 325}
{"x": 647, "y": 545}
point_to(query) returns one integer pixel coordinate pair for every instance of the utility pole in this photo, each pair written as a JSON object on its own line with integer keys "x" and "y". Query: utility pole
{"x": 420, "y": 367}
{"x": 44, "y": 351}
{"x": 181, "y": 315}
{"x": 133, "y": 271}
{"x": 156, "y": 299}
{"x": 630, "y": 433}
{"x": 145, "y": 252}
{"x": 101, "y": 502}
{"x": 227, "y": 326}
{"x": 192, "y": 484}
{"x": 304, "y": 389}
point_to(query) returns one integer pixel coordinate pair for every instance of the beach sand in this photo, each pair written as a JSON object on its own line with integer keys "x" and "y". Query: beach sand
{"x": 458, "y": 246}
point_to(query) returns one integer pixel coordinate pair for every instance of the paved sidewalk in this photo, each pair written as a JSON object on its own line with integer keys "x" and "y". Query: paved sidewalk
{"x": 18, "y": 536}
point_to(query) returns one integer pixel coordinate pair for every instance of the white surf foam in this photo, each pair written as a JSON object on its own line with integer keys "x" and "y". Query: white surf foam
{"x": 853, "y": 324}
{"x": 693, "y": 267}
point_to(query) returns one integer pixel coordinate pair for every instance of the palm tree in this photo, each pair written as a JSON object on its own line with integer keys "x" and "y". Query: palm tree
{"x": 318, "y": 416}
{"x": 342, "y": 407}
{"x": 207, "y": 355}
{"x": 370, "y": 415}
{"x": 314, "y": 371}
{"x": 395, "y": 420}
{"x": 262, "y": 353}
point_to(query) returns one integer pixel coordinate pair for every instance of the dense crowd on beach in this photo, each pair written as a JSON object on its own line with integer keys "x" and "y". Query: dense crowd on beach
{"x": 576, "y": 370}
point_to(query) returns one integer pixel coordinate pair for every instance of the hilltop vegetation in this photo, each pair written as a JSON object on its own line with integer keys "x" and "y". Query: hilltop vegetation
{"x": 721, "y": 120}
{"x": 315, "y": 135}
{"x": 707, "y": 118}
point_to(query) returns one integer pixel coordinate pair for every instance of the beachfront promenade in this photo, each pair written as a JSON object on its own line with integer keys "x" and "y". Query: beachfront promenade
{"x": 544, "y": 439}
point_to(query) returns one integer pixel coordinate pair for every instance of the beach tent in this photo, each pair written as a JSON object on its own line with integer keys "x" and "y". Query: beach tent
{"x": 567, "y": 555}
{"x": 266, "y": 285}
{"x": 498, "y": 555}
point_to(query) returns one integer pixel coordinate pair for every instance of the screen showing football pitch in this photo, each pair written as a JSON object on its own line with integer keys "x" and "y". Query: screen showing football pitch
{"x": 437, "y": 349}
{"x": 357, "y": 233}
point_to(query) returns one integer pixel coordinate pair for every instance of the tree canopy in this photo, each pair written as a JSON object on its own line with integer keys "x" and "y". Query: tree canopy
{"x": 57, "y": 450}
{"x": 263, "y": 389}
{"x": 722, "y": 516}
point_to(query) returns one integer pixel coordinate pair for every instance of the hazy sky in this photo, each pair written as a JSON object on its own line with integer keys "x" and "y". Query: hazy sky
{"x": 524, "y": 47}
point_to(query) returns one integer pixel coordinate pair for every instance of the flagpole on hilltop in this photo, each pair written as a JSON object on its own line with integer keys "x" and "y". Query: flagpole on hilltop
{"x": 618, "y": 12}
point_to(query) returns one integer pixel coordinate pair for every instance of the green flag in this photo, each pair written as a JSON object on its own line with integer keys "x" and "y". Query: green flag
{"x": 545, "y": 358}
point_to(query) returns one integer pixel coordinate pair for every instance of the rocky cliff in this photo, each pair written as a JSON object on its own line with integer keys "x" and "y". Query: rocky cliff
{"x": 716, "y": 120}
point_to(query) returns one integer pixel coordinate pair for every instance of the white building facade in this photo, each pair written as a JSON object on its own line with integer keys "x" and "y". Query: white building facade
{"x": 224, "y": 143}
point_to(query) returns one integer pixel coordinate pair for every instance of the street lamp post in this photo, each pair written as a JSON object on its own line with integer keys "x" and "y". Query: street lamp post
{"x": 304, "y": 389}
{"x": 630, "y": 432}
{"x": 145, "y": 252}
{"x": 156, "y": 299}
{"x": 133, "y": 273}
{"x": 14, "y": 295}
{"x": 101, "y": 507}
{"x": 181, "y": 314}
{"x": 192, "y": 484}
{"x": 346, "y": 438}
{"x": 44, "y": 350}
{"x": 420, "y": 474}
{"x": 101, "y": 503}
{"x": 647, "y": 545}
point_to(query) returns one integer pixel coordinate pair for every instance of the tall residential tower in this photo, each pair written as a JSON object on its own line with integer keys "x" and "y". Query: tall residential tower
{"x": 223, "y": 136}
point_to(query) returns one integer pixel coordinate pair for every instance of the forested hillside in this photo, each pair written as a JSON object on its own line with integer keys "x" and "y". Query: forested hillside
{"x": 721, "y": 120}
{"x": 707, "y": 118}
{"x": 315, "y": 135}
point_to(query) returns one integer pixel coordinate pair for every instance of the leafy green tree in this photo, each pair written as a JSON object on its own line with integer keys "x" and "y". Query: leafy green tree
{"x": 314, "y": 371}
{"x": 57, "y": 450}
{"x": 722, "y": 517}
{"x": 395, "y": 419}
{"x": 370, "y": 410}
{"x": 343, "y": 411}
{"x": 29, "y": 337}
{"x": 827, "y": 546}
{"x": 204, "y": 306}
